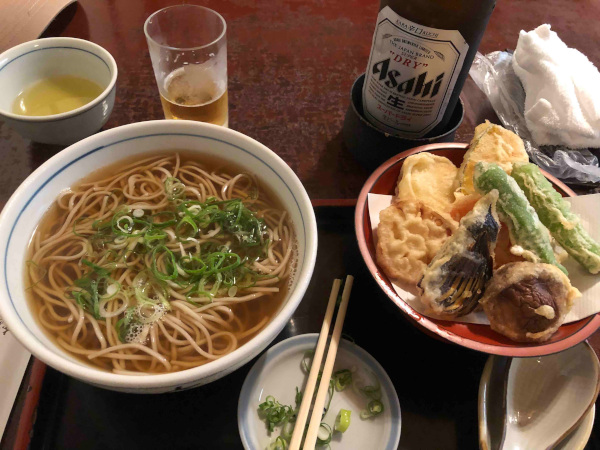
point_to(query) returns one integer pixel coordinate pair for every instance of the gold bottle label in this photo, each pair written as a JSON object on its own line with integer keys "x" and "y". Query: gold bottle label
{"x": 411, "y": 73}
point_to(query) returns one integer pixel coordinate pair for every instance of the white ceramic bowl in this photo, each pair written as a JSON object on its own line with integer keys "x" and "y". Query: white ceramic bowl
{"x": 31, "y": 200}
{"x": 27, "y": 63}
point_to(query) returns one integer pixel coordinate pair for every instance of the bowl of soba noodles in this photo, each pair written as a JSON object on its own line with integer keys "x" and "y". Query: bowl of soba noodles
{"x": 155, "y": 256}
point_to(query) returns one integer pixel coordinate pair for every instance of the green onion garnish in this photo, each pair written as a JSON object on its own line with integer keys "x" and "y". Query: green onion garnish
{"x": 373, "y": 392}
{"x": 342, "y": 379}
{"x": 40, "y": 275}
{"x": 324, "y": 434}
{"x": 174, "y": 188}
{"x": 274, "y": 412}
{"x": 163, "y": 219}
{"x": 342, "y": 421}
{"x": 374, "y": 408}
{"x": 186, "y": 228}
{"x": 279, "y": 444}
{"x": 307, "y": 360}
{"x": 91, "y": 287}
{"x": 170, "y": 243}
{"x": 169, "y": 262}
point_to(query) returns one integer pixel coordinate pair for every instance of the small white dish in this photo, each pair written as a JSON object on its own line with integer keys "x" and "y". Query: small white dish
{"x": 27, "y": 63}
{"x": 539, "y": 402}
{"x": 279, "y": 371}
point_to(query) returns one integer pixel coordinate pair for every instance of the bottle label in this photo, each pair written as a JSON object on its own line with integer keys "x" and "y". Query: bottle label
{"x": 411, "y": 74}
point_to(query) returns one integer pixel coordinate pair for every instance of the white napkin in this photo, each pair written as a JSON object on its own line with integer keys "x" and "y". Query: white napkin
{"x": 562, "y": 89}
{"x": 586, "y": 206}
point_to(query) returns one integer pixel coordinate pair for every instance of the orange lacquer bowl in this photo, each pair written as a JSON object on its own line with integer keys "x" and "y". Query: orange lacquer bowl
{"x": 476, "y": 337}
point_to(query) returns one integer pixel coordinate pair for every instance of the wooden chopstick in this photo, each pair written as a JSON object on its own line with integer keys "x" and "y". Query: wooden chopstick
{"x": 314, "y": 370}
{"x": 315, "y": 419}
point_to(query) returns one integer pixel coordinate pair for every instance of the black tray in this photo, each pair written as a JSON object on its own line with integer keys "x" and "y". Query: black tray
{"x": 437, "y": 383}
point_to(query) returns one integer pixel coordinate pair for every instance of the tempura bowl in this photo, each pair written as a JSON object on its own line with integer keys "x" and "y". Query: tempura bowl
{"x": 33, "y": 198}
{"x": 474, "y": 336}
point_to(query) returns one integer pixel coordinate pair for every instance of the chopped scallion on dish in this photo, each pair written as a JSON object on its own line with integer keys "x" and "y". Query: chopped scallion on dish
{"x": 342, "y": 421}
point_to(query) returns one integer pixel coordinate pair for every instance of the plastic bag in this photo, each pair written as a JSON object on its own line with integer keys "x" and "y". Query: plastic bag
{"x": 494, "y": 75}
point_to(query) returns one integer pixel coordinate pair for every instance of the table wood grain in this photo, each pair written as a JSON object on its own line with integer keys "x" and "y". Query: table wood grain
{"x": 291, "y": 66}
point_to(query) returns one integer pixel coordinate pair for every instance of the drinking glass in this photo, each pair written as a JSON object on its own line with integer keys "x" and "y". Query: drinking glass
{"x": 188, "y": 48}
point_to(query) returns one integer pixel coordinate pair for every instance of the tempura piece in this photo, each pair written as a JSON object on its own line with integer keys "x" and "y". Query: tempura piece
{"x": 408, "y": 237}
{"x": 491, "y": 143}
{"x": 502, "y": 254}
{"x": 555, "y": 213}
{"x": 454, "y": 281}
{"x": 527, "y": 302}
{"x": 429, "y": 179}
{"x": 463, "y": 205}
{"x": 529, "y": 236}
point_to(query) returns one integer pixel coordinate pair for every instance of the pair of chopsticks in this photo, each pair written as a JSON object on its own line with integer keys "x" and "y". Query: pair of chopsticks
{"x": 315, "y": 420}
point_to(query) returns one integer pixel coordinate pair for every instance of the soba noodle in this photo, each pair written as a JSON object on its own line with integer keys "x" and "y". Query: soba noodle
{"x": 160, "y": 265}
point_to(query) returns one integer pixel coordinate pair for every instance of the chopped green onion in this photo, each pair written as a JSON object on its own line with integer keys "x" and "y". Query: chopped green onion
{"x": 124, "y": 325}
{"x": 169, "y": 219}
{"x": 342, "y": 421}
{"x": 279, "y": 444}
{"x": 324, "y": 434}
{"x": 268, "y": 403}
{"x": 186, "y": 228}
{"x": 96, "y": 268}
{"x": 373, "y": 392}
{"x": 149, "y": 291}
{"x": 91, "y": 287}
{"x": 374, "y": 408}
{"x": 298, "y": 398}
{"x": 154, "y": 236}
{"x": 111, "y": 288}
{"x": 40, "y": 276}
{"x": 307, "y": 360}
{"x": 274, "y": 412}
{"x": 101, "y": 226}
{"x": 174, "y": 188}
{"x": 125, "y": 224}
{"x": 342, "y": 379}
{"x": 169, "y": 262}
{"x": 192, "y": 265}
{"x": 132, "y": 234}
{"x": 287, "y": 431}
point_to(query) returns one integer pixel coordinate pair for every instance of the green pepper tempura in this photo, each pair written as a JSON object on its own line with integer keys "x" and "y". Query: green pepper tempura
{"x": 555, "y": 213}
{"x": 526, "y": 230}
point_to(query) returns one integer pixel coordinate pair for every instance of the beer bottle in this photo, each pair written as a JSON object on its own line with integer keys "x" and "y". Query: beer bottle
{"x": 421, "y": 54}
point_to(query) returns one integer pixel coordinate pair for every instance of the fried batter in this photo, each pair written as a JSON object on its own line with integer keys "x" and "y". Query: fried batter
{"x": 409, "y": 235}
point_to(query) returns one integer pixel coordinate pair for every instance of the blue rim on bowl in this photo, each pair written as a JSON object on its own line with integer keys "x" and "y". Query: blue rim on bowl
{"x": 15, "y": 53}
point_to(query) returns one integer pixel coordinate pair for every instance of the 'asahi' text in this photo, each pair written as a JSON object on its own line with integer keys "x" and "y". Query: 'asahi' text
{"x": 413, "y": 86}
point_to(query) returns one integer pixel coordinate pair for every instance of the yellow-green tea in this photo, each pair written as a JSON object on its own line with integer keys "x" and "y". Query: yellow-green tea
{"x": 55, "y": 95}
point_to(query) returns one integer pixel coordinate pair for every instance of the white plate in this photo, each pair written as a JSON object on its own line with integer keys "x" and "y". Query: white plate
{"x": 279, "y": 371}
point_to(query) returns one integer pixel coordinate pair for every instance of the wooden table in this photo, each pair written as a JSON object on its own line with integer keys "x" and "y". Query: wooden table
{"x": 291, "y": 66}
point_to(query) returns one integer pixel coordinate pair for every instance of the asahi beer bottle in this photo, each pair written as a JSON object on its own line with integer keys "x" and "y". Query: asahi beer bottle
{"x": 421, "y": 54}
